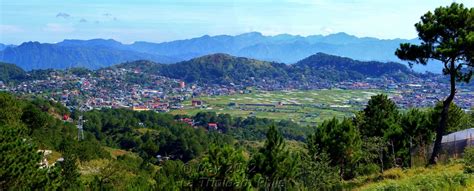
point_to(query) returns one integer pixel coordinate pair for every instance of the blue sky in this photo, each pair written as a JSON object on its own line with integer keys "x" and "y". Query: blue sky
{"x": 165, "y": 20}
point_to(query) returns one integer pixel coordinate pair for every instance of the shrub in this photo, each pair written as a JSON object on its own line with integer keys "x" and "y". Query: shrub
{"x": 394, "y": 173}
{"x": 367, "y": 169}
{"x": 469, "y": 160}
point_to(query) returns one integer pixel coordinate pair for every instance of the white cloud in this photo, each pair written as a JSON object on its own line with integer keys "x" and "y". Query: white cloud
{"x": 326, "y": 30}
{"x": 58, "y": 28}
{"x": 4, "y": 29}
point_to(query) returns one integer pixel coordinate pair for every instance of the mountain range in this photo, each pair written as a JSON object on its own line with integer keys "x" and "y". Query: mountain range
{"x": 284, "y": 48}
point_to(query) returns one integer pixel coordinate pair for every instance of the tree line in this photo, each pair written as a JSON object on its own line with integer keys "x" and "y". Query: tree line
{"x": 377, "y": 138}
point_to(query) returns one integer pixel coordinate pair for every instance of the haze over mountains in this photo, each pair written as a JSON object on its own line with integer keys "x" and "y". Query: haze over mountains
{"x": 284, "y": 48}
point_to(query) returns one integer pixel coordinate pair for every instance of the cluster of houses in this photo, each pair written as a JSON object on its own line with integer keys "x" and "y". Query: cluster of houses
{"x": 210, "y": 126}
{"x": 416, "y": 92}
{"x": 113, "y": 88}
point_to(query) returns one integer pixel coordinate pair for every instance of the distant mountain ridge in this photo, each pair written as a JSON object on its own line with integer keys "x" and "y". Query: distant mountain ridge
{"x": 284, "y": 48}
{"x": 34, "y": 55}
{"x": 3, "y": 46}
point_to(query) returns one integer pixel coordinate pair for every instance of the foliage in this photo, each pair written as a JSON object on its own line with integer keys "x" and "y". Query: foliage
{"x": 10, "y": 110}
{"x": 11, "y": 73}
{"x": 69, "y": 171}
{"x": 379, "y": 118}
{"x": 163, "y": 134}
{"x": 341, "y": 140}
{"x": 447, "y": 35}
{"x": 222, "y": 168}
{"x": 448, "y": 177}
{"x": 173, "y": 175}
{"x": 19, "y": 159}
{"x": 316, "y": 172}
{"x": 457, "y": 118}
{"x": 418, "y": 131}
{"x": 468, "y": 160}
{"x": 141, "y": 143}
{"x": 250, "y": 128}
{"x": 226, "y": 69}
{"x": 273, "y": 166}
{"x": 223, "y": 69}
{"x": 340, "y": 68}
{"x": 371, "y": 156}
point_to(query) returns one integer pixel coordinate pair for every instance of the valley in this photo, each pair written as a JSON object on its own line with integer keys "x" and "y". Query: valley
{"x": 304, "y": 107}
{"x": 183, "y": 95}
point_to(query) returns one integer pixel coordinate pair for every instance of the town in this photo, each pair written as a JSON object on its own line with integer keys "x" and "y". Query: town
{"x": 119, "y": 87}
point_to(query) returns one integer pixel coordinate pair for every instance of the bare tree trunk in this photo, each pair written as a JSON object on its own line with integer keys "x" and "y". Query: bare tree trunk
{"x": 444, "y": 116}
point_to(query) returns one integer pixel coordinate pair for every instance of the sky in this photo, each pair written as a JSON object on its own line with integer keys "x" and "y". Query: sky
{"x": 165, "y": 20}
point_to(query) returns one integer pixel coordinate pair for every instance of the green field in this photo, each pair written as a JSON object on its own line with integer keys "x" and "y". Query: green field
{"x": 306, "y": 107}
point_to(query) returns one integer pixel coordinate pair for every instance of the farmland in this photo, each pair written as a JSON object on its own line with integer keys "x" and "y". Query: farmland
{"x": 306, "y": 107}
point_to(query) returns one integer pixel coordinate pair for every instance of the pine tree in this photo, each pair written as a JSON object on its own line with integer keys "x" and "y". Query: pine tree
{"x": 340, "y": 140}
{"x": 447, "y": 35}
{"x": 223, "y": 168}
{"x": 273, "y": 165}
{"x": 20, "y": 160}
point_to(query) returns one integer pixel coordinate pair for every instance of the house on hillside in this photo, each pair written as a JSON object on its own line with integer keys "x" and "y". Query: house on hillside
{"x": 212, "y": 126}
{"x": 189, "y": 121}
{"x": 196, "y": 103}
{"x": 140, "y": 108}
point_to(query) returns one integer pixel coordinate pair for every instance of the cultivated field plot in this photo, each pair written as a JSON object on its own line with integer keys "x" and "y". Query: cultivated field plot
{"x": 306, "y": 107}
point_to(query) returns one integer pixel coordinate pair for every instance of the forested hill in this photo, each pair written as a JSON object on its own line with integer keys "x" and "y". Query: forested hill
{"x": 337, "y": 68}
{"x": 11, "y": 72}
{"x": 225, "y": 69}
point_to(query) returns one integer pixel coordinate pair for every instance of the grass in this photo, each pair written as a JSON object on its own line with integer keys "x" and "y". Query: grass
{"x": 53, "y": 157}
{"x": 306, "y": 107}
{"x": 116, "y": 152}
{"x": 441, "y": 177}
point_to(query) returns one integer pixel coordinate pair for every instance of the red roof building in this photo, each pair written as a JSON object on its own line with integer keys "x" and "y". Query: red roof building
{"x": 188, "y": 121}
{"x": 195, "y": 103}
{"x": 212, "y": 126}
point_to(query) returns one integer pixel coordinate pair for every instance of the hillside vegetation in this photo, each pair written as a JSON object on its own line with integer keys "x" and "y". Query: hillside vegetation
{"x": 124, "y": 149}
{"x": 11, "y": 72}
{"x": 226, "y": 69}
{"x": 442, "y": 177}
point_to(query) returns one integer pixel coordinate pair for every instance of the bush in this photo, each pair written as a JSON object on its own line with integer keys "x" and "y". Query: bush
{"x": 469, "y": 160}
{"x": 444, "y": 181}
{"x": 394, "y": 173}
{"x": 367, "y": 169}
